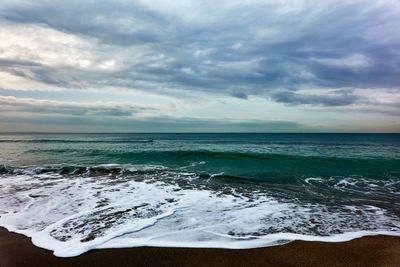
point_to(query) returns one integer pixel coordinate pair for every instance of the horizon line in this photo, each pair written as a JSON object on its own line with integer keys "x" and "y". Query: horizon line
{"x": 199, "y": 132}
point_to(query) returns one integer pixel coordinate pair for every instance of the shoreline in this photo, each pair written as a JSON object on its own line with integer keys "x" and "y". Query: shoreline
{"x": 18, "y": 250}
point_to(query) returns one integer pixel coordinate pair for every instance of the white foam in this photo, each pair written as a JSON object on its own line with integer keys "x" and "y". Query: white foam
{"x": 214, "y": 175}
{"x": 73, "y": 214}
{"x": 313, "y": 179}
{"x": 75, "y": 247}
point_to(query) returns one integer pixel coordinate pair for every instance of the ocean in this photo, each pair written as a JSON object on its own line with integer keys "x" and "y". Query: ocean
{"x": 75, "y": 192}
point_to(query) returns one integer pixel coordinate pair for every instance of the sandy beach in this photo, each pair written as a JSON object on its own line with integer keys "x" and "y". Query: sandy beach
{"x": 17, "y": 250}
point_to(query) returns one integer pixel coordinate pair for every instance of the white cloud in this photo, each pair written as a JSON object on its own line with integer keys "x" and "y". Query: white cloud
{"x": 44, "y": 45}
{"x": 355, "y": 62}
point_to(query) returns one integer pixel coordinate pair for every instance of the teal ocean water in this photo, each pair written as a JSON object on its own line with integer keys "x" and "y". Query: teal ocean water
{"x": 76, "y": 192}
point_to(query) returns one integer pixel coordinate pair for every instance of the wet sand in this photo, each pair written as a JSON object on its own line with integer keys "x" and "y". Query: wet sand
{"x": 17, "y": 250}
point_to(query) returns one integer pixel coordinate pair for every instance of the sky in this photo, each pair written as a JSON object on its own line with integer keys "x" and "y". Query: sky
{"x": 200, "y": 66}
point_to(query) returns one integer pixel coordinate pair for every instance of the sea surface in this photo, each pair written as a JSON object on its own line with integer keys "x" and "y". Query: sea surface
{"x": 75, "y": 192}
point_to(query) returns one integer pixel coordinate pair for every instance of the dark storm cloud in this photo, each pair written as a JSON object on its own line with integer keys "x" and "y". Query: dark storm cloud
{"x": 255, "y": 48}
{"x": 42, "y": 107}
{"x": 337, "y": 99}
{"x": 17, "y": 63}
{"x": 89, "y": 18}
{"x": 240, "y": 95}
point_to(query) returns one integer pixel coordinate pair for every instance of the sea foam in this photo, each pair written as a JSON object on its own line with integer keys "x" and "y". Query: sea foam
{"x": 114, "y": 206}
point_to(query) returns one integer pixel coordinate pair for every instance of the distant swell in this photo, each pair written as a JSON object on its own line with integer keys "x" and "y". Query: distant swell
{"x": 63, "y": 141}
{"x": 261, "y": 166}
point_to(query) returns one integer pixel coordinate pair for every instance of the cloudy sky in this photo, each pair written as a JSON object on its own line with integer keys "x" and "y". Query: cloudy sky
{"x": 195, "y": 65}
